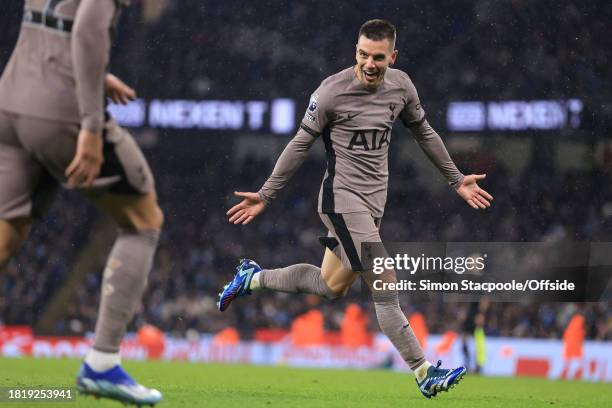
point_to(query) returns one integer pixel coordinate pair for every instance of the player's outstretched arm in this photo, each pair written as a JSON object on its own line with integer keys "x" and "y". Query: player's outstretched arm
{"x": 475, "y": 196}
{"x": 117, "y": 90}
{"x": 250, "y": 207}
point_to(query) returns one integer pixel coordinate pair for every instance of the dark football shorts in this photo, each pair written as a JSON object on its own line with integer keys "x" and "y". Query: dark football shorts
{"x": 346, "y": 234}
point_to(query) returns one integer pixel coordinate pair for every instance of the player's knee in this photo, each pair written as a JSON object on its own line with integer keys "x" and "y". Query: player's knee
{"x": 156, "y": 220}
{"x": 335, "y": 291}
{"x": 151, "y": 219}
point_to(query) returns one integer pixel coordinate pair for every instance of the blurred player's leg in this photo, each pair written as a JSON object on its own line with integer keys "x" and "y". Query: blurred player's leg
{"x": 125, "y": 190}
{"x": 123, "y": 284}
{"x": 12, "y": 235}
{"x": 125, "y": 276}
{"x": 133, "y": 205}
{"x": 26, "y": 189}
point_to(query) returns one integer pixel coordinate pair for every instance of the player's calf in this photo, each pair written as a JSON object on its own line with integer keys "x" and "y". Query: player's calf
{"x": 123, "y": 284}
{"x": 299, "y": 278}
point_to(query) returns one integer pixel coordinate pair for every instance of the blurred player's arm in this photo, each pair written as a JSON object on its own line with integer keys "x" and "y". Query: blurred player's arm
{"x": 287, "y": 164}
{"x": 90, "y": 47}
{"x": 91, "y": 44}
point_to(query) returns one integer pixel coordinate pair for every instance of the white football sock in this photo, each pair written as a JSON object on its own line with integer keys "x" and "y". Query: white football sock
{"x": 255, "y": 282}
{"x": 100, "y": 361}
{"x": 421, "y": 371}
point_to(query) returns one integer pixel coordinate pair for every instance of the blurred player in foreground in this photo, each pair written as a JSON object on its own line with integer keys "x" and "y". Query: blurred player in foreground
{"x": 54, "y": 130}
{"x": 353, "y": 112}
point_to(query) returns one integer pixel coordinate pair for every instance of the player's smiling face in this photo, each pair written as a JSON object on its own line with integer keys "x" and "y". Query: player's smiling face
{"x": 373, "y": 59}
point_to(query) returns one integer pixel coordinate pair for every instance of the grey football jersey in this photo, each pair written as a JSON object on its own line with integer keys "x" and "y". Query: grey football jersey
{"x": 355, "y": 123}
{"x": 57, "y": 68}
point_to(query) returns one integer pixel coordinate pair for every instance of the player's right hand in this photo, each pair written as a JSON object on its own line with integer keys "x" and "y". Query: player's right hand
{"x": 247, "y": 209}
{"x": 118, "y": 91}
{"x": 88, "y": 159}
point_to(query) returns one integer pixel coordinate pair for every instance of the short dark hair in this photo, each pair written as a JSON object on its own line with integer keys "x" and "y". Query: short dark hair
{"x": 378, "y": 30}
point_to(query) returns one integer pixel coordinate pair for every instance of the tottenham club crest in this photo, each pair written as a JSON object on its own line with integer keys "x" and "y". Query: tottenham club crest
{"x": 392, "y": 109}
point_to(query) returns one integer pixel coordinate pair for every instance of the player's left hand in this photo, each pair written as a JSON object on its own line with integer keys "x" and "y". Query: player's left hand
{"x": 475, "y": 196}
{"x": 117, "y": 90}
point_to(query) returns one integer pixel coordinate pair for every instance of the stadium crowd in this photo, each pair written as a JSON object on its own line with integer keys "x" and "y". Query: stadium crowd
{"x": 453, "y": 50}
{"x": 464, "y": 50}
{"x": 199, "y": 250}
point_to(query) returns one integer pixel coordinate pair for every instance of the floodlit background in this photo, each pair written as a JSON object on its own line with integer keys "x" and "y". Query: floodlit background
{"x": 520, "y": 90}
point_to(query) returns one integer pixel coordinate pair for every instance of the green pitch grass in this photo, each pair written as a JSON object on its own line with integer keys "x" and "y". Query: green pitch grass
{"x": 215, "y": 385}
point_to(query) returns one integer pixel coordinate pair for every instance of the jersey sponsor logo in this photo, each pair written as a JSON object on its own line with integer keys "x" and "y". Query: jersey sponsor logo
{"x": 369, "y": 139}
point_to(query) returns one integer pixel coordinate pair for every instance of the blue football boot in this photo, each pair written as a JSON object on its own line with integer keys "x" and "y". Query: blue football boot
{"x": 440, "y": 379}
{"x": 240, "y": 285}
{"x": 115, "y": 384}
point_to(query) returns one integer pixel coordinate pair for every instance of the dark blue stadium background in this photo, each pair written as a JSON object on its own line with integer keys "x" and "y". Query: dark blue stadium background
{"x": 453, "y": 50}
